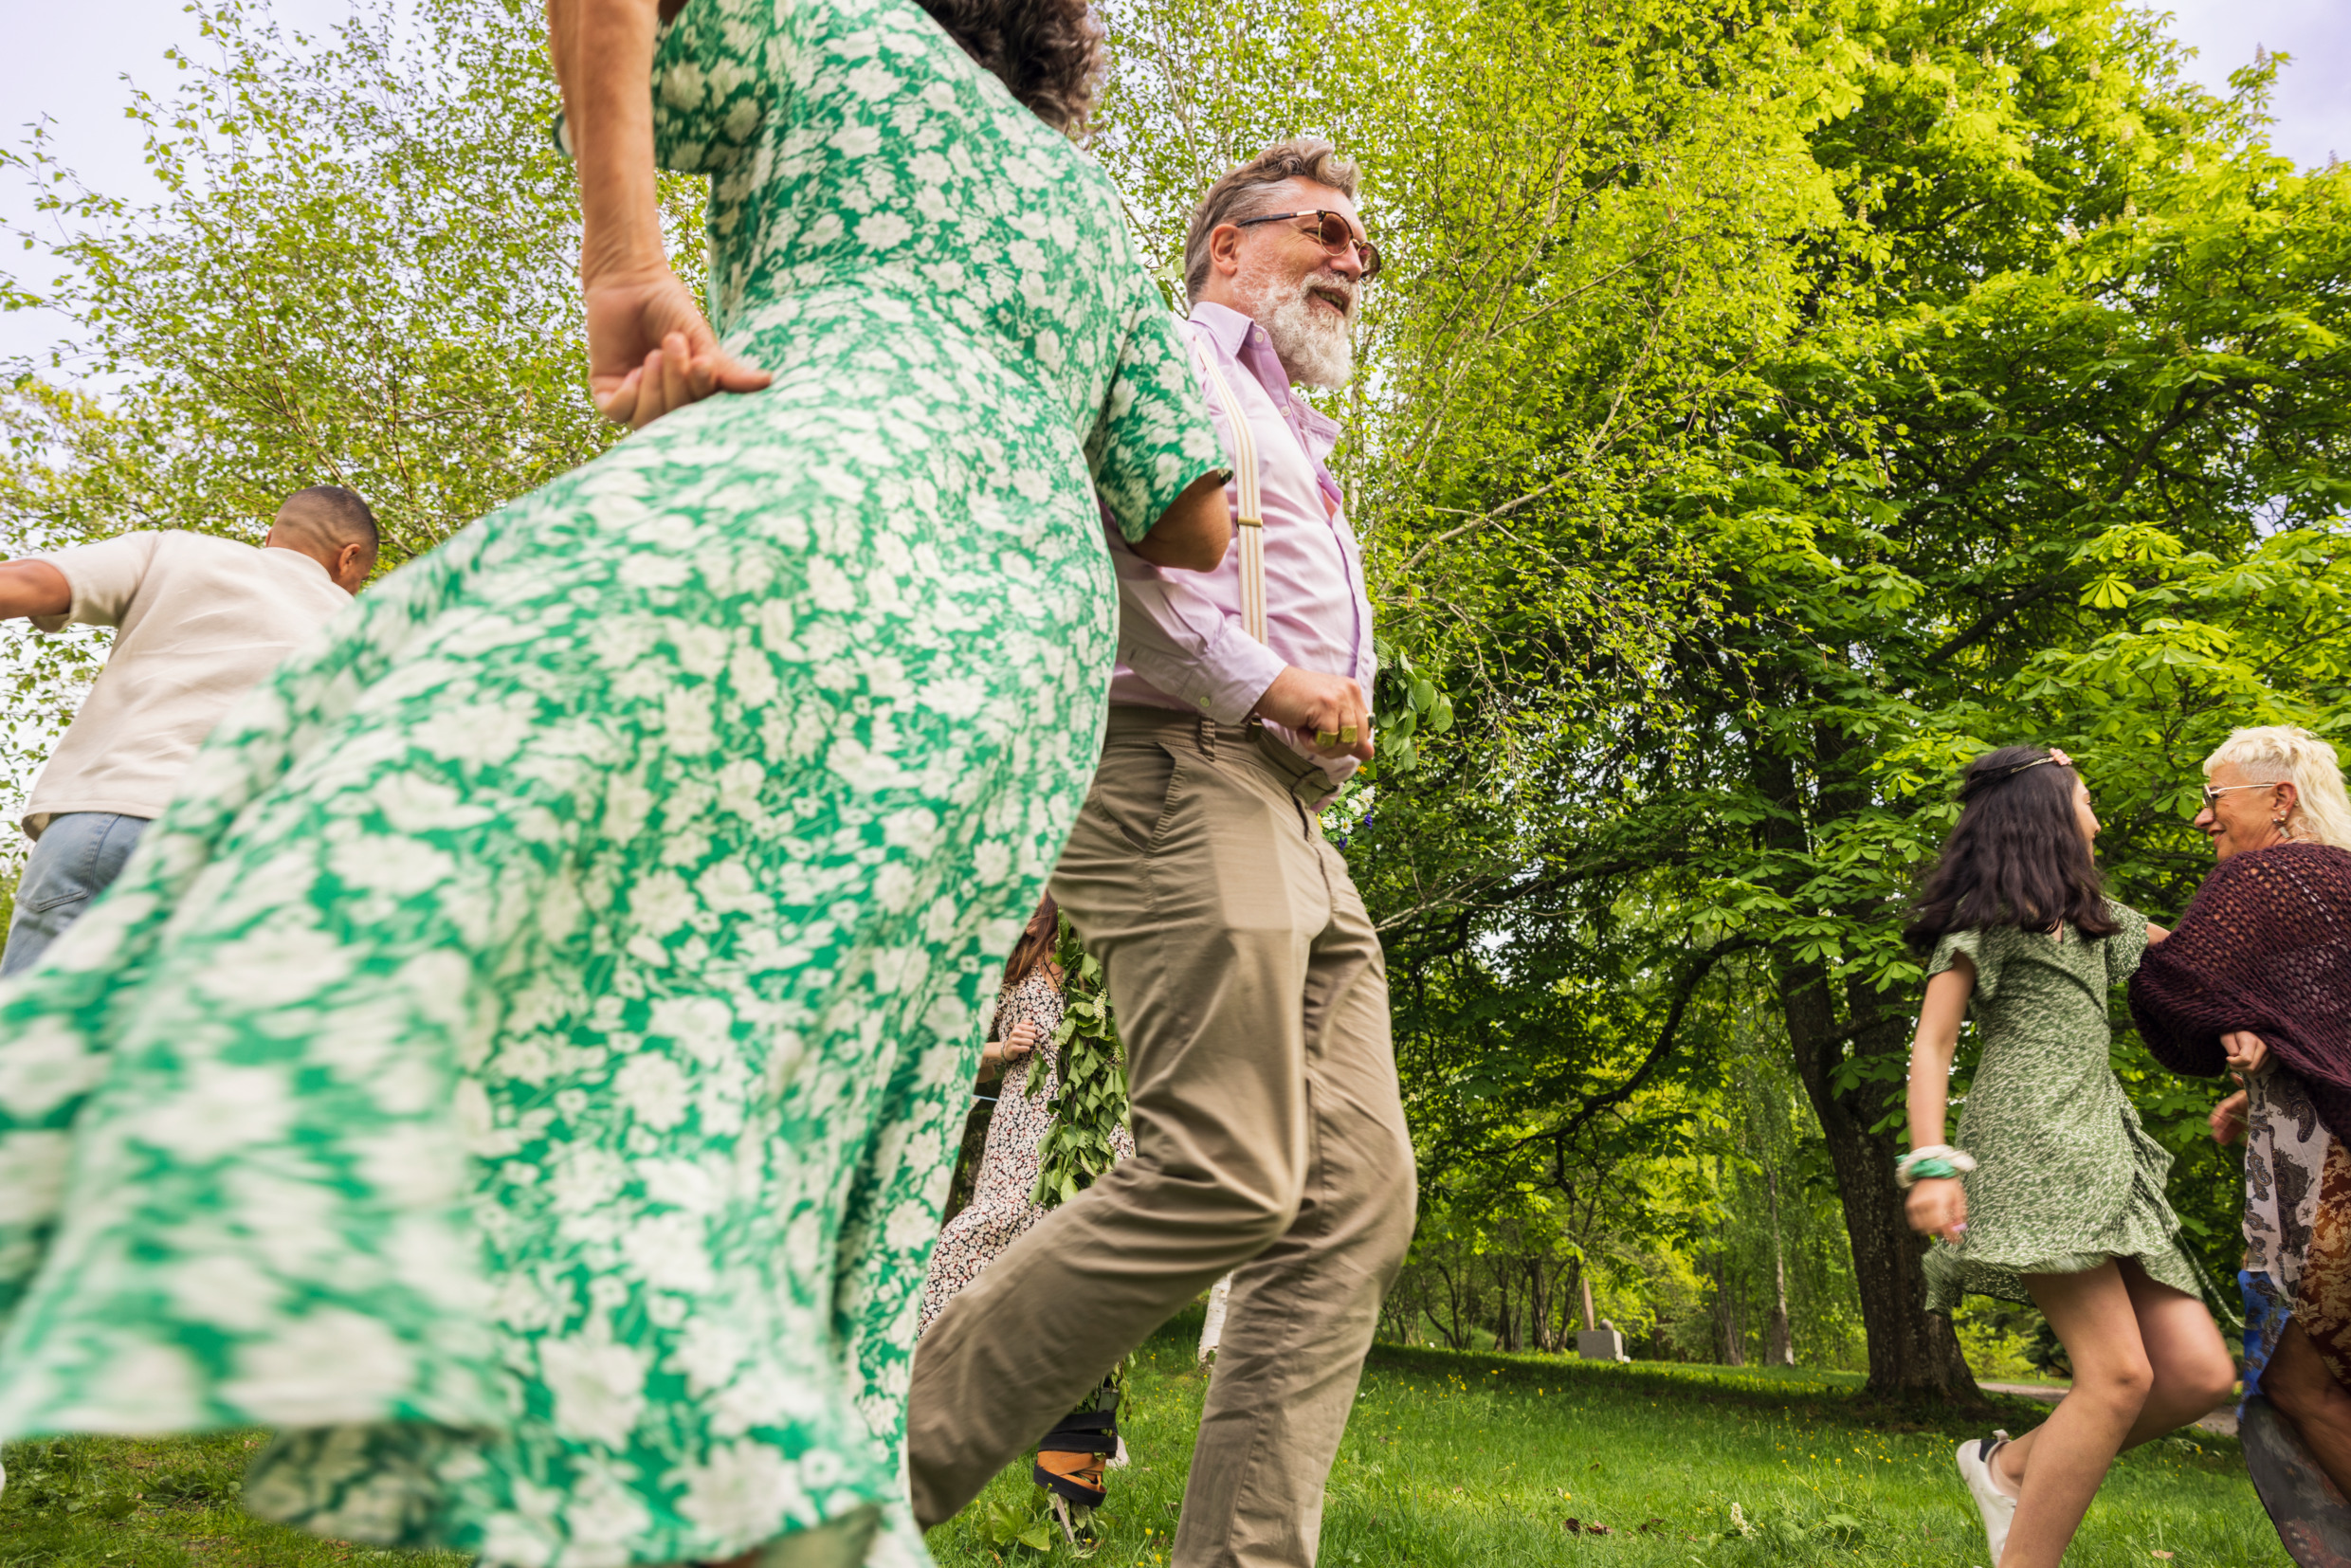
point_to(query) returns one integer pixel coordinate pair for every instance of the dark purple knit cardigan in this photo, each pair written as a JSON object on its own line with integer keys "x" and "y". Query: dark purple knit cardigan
{"x": 2265, "y": 946}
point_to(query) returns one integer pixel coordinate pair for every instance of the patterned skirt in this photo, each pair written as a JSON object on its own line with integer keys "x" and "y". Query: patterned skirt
{"x": 1003, "y": 1206}
{"x": 2298, "y": 1215}
{"x": 2141, "y": 1228}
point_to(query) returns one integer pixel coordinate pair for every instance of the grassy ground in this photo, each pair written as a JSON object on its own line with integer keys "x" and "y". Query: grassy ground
{"x": 1466, "y": 1461}
{"x": 1451, "y": 1461}
{"x": 171, "y": 1502}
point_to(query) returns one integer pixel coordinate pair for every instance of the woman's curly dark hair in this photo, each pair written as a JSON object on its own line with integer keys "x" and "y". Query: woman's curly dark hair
{"x": 1048, "y": 53}
{"x": 2015, "y": 857}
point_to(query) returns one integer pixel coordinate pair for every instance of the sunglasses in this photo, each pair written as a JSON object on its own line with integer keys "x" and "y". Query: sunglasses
{"x": 2211, "y": 793}
{"x": 1334, "y": 231}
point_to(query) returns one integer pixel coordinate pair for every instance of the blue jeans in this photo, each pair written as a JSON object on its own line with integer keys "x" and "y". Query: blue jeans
{"x": 76, "y": 856}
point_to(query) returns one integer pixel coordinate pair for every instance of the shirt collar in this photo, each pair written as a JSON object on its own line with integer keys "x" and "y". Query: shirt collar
{"x": 1246, "y": 344}
{"x": 315, "y": 562}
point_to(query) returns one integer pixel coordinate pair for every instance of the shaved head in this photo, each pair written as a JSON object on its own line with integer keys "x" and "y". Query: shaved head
{"x": 334, "y": 527}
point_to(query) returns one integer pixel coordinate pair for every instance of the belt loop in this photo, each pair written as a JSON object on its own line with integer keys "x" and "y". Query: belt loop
{"x": 1208, "y": 738}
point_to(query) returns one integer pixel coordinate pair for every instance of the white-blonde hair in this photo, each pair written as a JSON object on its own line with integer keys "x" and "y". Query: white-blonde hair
{"x": 2282, "y": 753}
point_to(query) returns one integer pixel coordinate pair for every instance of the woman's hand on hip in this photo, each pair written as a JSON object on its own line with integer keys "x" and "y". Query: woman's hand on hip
{"x": 1938, "y": 1207}
{"x": 2246, "y": 1052}
{"x": 649, "y": 350}
{"x": 2228, "y": 1118}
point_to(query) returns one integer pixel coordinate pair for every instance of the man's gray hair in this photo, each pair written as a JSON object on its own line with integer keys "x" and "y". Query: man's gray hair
{"x": 1242, "y": 194}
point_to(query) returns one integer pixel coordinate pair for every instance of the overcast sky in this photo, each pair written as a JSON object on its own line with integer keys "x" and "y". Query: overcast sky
{"x": 66, "y": 62}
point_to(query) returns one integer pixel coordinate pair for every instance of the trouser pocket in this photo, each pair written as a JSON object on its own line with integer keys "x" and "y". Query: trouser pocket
{"x": 1136, "y": 790}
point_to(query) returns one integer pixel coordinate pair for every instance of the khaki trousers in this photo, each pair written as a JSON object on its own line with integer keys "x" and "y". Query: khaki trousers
{"x": 1269, "y": 1136}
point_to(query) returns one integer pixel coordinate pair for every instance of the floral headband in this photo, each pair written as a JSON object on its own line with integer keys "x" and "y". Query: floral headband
{"x": 2054, "y": 755}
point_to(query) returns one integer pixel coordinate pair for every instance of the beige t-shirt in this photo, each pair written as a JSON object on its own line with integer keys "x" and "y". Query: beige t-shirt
{"x": 202, "y": 619}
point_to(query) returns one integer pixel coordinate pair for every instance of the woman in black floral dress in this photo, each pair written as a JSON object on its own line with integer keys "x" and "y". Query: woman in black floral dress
{"x": 1004, "y": 1203}
{"x": 1071, "y": 1457}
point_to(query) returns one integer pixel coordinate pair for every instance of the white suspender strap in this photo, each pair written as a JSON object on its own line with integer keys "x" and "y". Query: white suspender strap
{"x": 1253, "y": 517}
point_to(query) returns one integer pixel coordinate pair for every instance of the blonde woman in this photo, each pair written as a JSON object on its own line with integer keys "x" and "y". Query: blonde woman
{"x": 2257, "y": 979}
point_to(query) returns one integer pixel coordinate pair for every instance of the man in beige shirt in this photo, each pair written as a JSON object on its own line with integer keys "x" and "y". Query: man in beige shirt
{"x": 201, "y": 621}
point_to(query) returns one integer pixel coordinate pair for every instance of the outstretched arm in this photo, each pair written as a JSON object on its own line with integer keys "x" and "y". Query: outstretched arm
{"x": 649, "y": 350}
{"x": 33, "y": 588}
{"x": 1937, "y": 1205}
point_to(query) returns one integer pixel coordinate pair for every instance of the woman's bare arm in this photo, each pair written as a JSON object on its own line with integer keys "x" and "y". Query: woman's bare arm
{"x": 649, "y": 350}
{"x": 1938, "y": 1204}
{"x": 604, "y": 65}
{"x": 1192, "y": 533}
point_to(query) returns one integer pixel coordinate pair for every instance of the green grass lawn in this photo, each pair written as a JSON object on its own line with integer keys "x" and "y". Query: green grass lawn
{"x": 1450, "y": 1460}
{"x": 1460, "y": 1460}
{"x": 162, "y": 1502}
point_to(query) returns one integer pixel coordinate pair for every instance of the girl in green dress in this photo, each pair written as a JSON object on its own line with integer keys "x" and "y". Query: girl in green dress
{"x": 520, "y": 1066}
{"x": 2056, "y": 1195}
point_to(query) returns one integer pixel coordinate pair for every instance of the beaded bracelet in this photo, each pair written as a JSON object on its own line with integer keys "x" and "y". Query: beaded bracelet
{"x": 1935, "y": 1162}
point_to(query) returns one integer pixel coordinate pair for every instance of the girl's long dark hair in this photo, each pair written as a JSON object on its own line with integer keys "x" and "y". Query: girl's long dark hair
{"x": 1037, "y": 941}
{"x": 2016, "y": 856}
{"x": 1047, "y": 54}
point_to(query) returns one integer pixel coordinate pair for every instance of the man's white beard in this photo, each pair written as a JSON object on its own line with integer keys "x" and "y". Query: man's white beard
{"x": 1311, "y": 341}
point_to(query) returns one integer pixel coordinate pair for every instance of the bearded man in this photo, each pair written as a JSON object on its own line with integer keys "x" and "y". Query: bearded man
{"x": 1246, "y": 979}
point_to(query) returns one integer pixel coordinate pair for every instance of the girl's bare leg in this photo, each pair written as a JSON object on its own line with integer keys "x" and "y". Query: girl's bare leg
{"x": 2067, "y": 1456}
{"x": 2146, "y": 1361}
{"x": 2193, "y": 1372}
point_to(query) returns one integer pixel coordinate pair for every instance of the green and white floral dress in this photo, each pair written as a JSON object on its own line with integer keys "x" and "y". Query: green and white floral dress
{"x": 522, "y": 1065}
{"x": 2065, "y": 1177}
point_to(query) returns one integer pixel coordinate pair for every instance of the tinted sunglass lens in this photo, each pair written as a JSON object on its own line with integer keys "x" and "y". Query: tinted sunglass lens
{"x": 1337, "y": 235}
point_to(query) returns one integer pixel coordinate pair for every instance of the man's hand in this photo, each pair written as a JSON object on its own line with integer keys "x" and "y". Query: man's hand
{"x": 2228, "y": 1119}
{"x": 649, "y": 350}
{"x": 33, "y": 588}
{"x": 2246, "y": 1052}
{"x": 1328, "y": 712}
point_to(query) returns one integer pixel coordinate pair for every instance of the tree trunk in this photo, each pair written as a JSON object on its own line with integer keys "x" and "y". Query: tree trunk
{"x": 1908, "y": 1355}
{"x": 1730, "y": 1329}
{"x": 1538, "y": 1304}
{"x": 1212, "y": 1323}
{"x": 1778, "y": 1343}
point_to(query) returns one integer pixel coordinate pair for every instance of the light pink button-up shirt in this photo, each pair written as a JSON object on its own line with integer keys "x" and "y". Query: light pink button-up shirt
{"x": 1180, "y": 639}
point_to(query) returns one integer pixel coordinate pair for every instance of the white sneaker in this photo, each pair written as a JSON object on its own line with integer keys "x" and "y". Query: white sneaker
{"x": 1998, "y": 1509}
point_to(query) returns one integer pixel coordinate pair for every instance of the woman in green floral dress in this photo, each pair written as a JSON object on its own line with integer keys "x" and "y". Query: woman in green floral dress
{"x": 520, "y": 1066}
{"x": 2056, "y": 1195}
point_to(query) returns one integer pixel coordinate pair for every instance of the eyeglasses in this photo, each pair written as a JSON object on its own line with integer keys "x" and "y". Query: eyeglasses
{"x": 1334, "y": 231}
{"x": 2212, "y": 794}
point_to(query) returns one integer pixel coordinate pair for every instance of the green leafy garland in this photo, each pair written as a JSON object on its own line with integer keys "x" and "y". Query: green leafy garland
{"x": 1091, "y": 1103}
